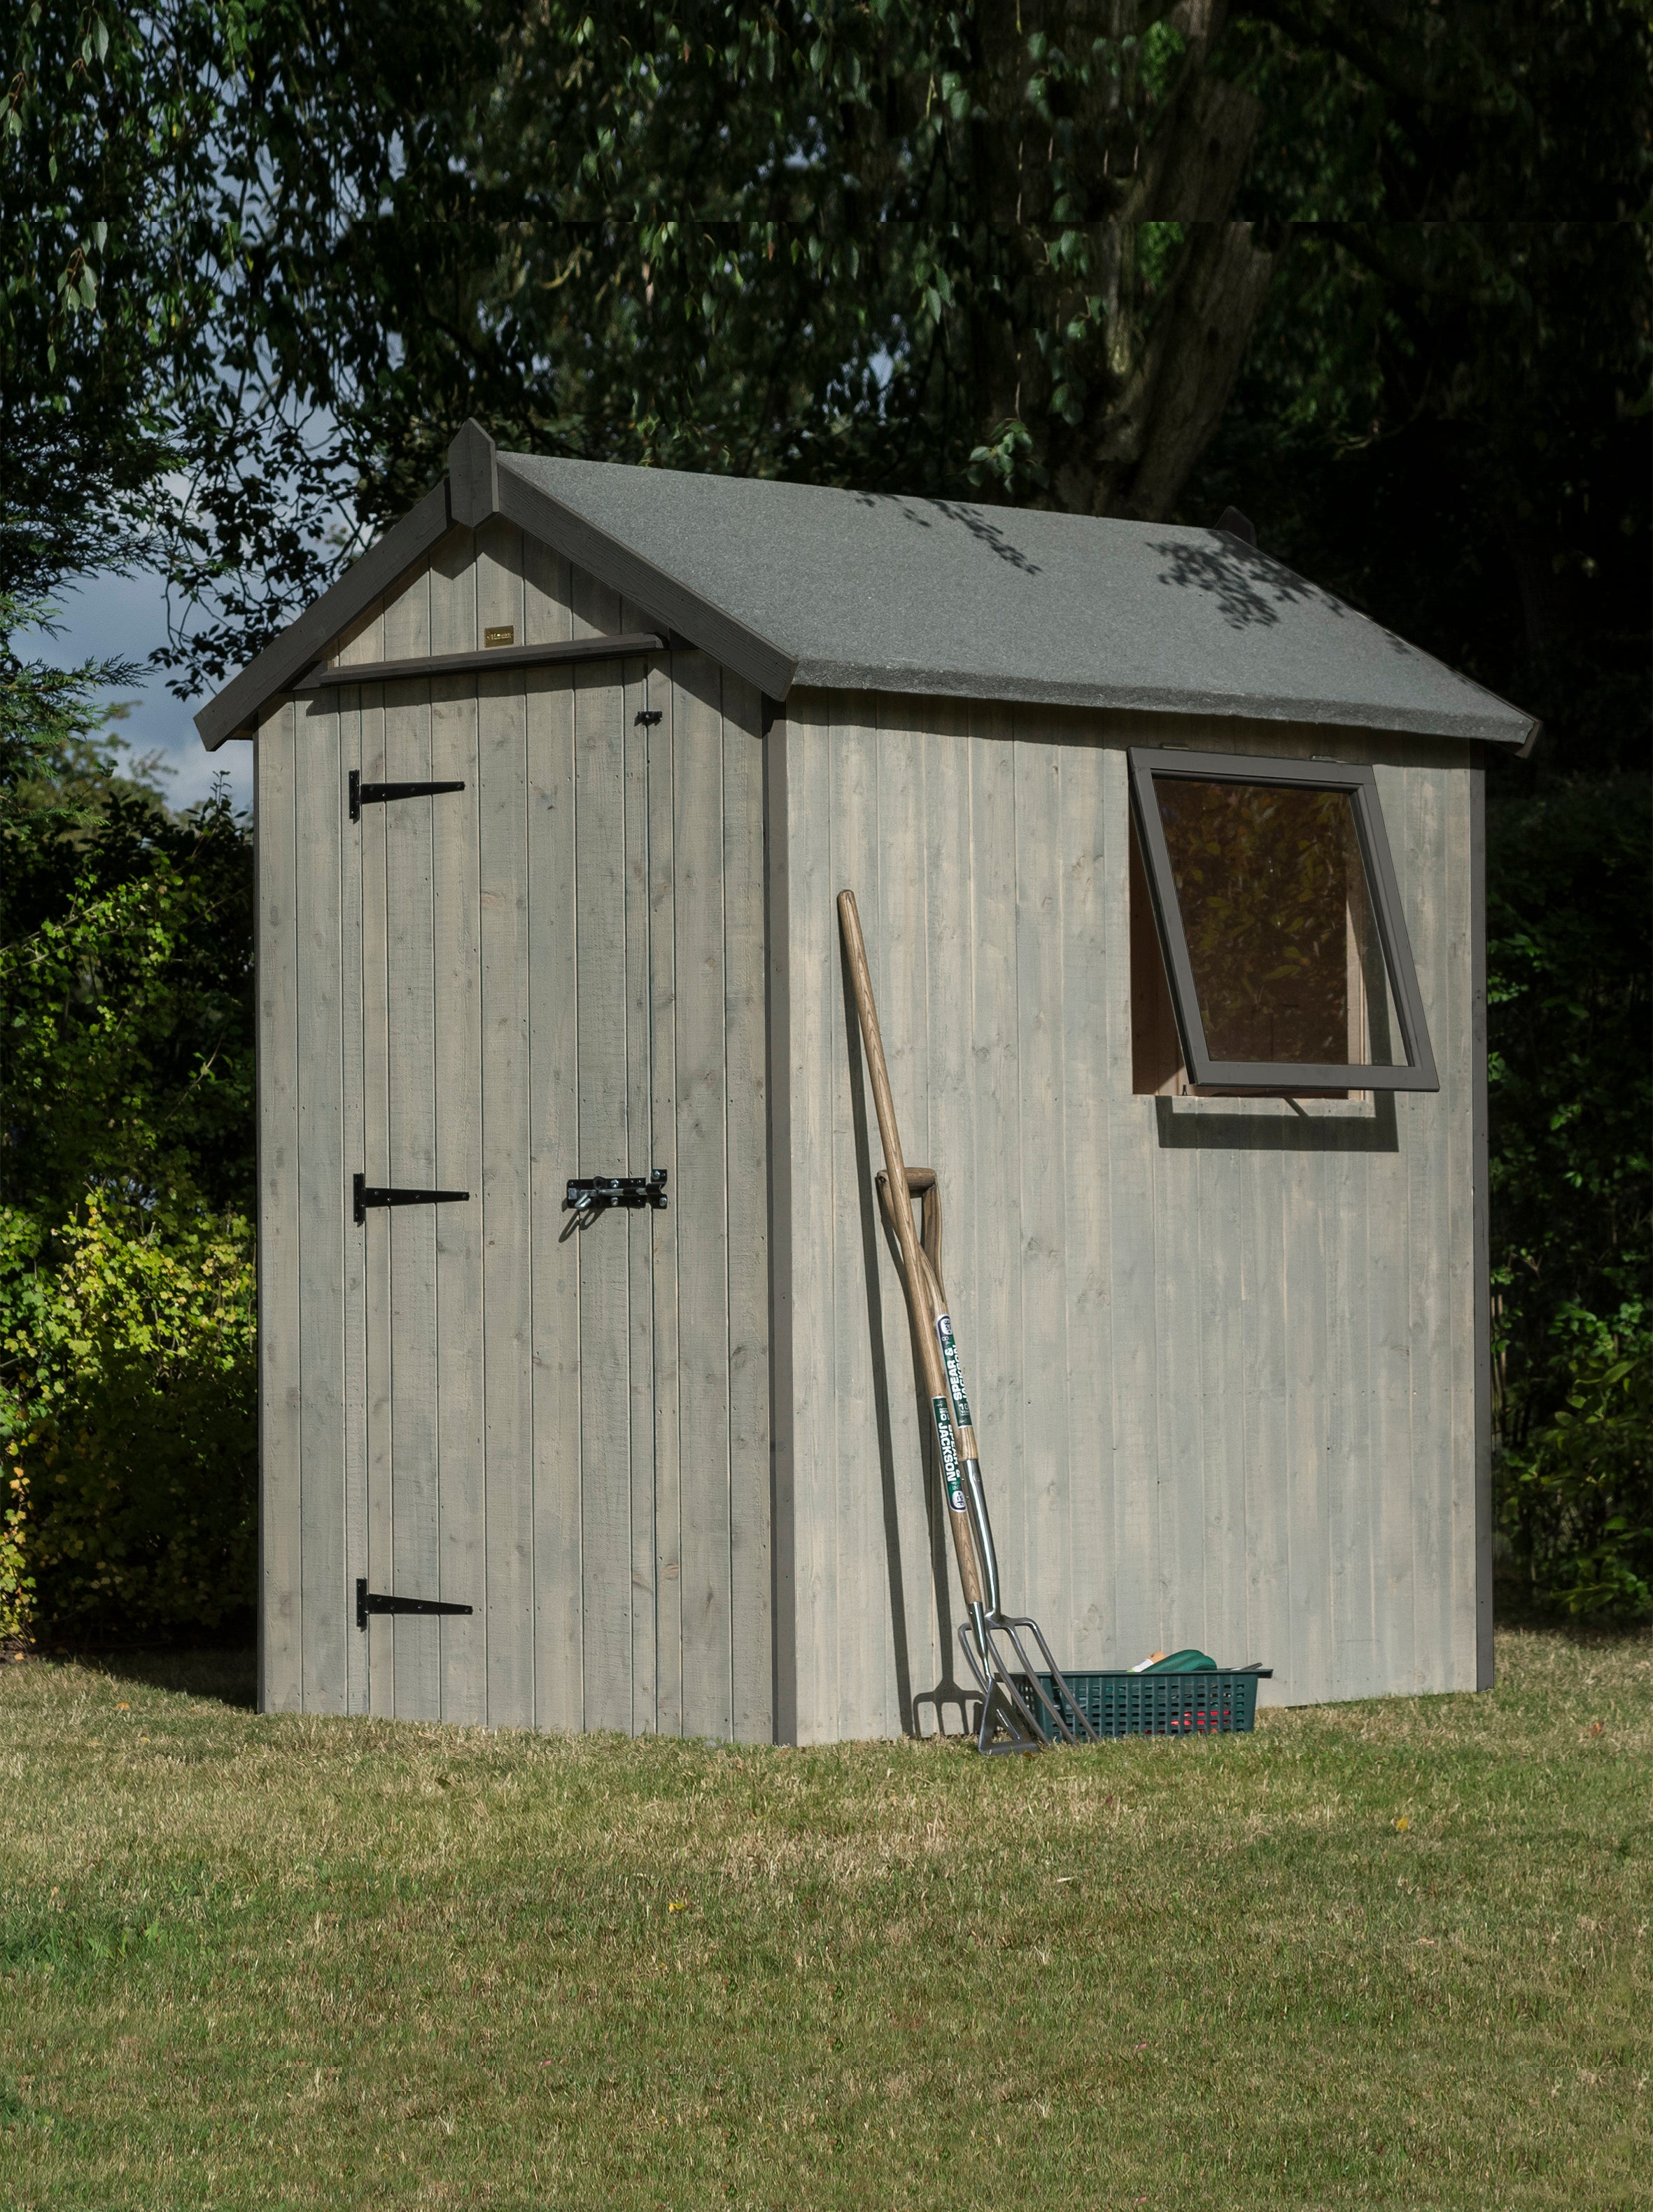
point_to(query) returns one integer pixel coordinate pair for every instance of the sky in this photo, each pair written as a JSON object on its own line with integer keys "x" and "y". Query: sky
{"x": 125, "y": 619}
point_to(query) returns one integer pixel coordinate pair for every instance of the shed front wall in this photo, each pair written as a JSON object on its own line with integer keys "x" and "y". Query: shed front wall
{"x": 1223, "y": 1355}
{"x": 558, "y": 971}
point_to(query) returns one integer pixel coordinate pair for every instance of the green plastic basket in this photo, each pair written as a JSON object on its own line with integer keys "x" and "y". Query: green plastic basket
{"x": 1218, "y": 1704}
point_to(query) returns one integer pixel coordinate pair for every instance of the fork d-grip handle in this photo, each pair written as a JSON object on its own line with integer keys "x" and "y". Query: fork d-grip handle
{"x": 901, "y": 1203}
{"x": 922, "y": 1184}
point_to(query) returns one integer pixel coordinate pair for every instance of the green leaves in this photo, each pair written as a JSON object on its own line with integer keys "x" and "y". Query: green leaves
{"x": 1570, "y": 1172}
{"x": 127, "y": 1312}
{"x": 129, "y": 1419}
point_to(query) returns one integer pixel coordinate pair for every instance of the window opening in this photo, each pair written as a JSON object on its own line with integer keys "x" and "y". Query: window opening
{"x": 1267, "y": 949}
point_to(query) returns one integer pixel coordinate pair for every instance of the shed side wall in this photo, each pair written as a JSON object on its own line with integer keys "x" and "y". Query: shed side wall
{"x": 1221, "y": 1354}
{"x": 558, "y": 971}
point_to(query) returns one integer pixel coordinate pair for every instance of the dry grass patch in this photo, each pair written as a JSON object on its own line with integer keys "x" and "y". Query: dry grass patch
{"x": 1395, "y": 1954}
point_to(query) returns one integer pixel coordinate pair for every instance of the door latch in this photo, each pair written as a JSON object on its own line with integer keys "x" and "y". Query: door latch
{"x": 590, "y": 1195}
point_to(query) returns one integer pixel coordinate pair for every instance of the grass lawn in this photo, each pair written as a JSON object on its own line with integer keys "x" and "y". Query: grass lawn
{"x": 1396, "y": 1953}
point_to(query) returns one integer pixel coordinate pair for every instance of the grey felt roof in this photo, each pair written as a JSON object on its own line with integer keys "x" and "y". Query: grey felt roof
{"x": 793, "y": 585}
{"x": 858, "y": 589}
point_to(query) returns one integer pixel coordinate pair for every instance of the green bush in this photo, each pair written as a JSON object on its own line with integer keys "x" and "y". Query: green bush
{"x": 132, "y": 1412}
{"x": 16, "y": 1584}
{"x": 126, "y": 1306}
{"x": 1581, "y": 1492}
{"x": 1571, "y": 1106}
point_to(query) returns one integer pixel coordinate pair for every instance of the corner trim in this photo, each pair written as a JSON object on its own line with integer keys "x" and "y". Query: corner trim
{"x": 1480, "y": 1225}
{"x": 777, "y": 929}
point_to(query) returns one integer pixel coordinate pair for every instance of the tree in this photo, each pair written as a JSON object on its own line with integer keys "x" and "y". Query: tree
{"x": 286, "y": 252}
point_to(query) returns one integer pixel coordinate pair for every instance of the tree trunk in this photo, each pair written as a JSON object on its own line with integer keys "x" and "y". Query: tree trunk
{"x": 1100, "y": 358}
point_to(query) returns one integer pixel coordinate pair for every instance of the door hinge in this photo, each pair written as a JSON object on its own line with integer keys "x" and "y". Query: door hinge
{"x": 375, "y": 794}
{"x": 591, "y": 1193}
{"x": 369, "y": 1601}
{"x": 365, "y": 1194}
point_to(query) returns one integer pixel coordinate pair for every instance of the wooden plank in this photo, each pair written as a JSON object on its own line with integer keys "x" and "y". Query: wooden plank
{"x": 377, "y": 1562}
{"x": 1481, "y": 1346}
{"x": 666, "y": 1516}
{"x": 1388, "y": 1274}
{"x": 700, "y": 1201}
{"x": 1215, "y": 1191}
{"x": 1046, "y": 1561}
{"x": 1304, "y": 1197}
{"x": 281, "y": 1684}
{"x": 1180, "y": 1410}
{"x": 1423, "y": 889}
{"x": 547, "y": 595}
{"x": 1464, "y": 1276}
{"x": 411, "y": 1231}
{"x": 896, "y": 1522}
{"x": 366, "y": 645}
{"x": 1088, "y": 917}
{"x": 777, "y": 925}
{"x": 1356, "y": 1660}
{"x": 1357, "y": 1664}
{"x": 1264, "y": 1386}
{"x": 594, "y": 610}
{"x": 816, "y": 1059}
{"x": 502, "y": 773}
{"x": 942, "y": 745}
{"x": 554, "y": 1150}
{"x": 462, "y": 1641}
{"x": 554, "y": 1156}
{"x": 603, "y": 1249}
{"x": 747, "y": 1182}
{"x": 879, "y": 1447}
{"x": 991, "y": 1202}
{"x": 318, "y": 822}
{"x": 640, "y": 1226}
{"x": 353, "y": 1133}
{"x": 1133, "y": 1168}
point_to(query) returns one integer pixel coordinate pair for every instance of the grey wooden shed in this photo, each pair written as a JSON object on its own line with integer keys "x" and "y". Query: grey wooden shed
{"x": 1226, "y": 1330}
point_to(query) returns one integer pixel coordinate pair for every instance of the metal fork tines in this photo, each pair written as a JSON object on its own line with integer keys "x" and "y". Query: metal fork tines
{"x": 1013, "y": 1696}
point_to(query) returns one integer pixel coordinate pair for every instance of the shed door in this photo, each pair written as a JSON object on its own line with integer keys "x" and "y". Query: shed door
{"x": 508, "y": 1424}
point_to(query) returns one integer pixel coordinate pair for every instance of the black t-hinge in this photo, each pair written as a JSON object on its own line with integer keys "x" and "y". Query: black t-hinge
{"x": 365, "y": 1193}
{"x": 369, "y": 1601}
{"x": 375, "y": 794}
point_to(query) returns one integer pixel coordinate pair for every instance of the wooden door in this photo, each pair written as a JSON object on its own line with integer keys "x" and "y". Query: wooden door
{"x": 511, "y": 1442}
{"x": 556, "y": 972}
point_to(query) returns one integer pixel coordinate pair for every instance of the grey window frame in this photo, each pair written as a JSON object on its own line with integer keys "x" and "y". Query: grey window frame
{"x": 1147, "y": 762}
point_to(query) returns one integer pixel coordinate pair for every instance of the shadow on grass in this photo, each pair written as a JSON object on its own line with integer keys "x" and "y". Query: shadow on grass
{"x": 230, "y": 1677}
{"x": 1514, "y": 1612}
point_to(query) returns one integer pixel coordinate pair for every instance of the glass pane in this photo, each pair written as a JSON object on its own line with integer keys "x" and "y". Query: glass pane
{"x": 1284, "y": 945}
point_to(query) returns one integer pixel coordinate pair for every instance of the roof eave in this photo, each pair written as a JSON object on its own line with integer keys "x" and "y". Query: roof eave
{"x": 1512, "y": 730}
{"x": 236, "y": 708}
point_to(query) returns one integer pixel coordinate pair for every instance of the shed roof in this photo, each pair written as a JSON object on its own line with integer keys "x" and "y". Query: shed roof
{"x": 796, "y": 585}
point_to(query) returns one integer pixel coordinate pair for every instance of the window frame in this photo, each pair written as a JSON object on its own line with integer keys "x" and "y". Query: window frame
{"x": 1418, "y": 1073}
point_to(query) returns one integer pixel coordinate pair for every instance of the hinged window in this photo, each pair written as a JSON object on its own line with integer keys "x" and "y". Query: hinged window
{"x": 1274, "y": 898}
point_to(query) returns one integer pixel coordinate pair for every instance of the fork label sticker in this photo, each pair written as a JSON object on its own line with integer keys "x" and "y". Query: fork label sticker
{"x": 944, "y": 1429}
{"x": 943, "y": 1329}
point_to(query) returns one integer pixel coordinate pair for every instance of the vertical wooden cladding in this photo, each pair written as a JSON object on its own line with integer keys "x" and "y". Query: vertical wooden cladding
{"x": 558, "y": 971}
{"x": 1221, "y": 1352}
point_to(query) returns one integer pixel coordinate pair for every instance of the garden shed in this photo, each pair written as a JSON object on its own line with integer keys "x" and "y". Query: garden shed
{"x": 1170, "y": 866}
